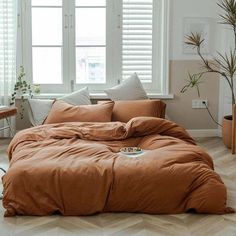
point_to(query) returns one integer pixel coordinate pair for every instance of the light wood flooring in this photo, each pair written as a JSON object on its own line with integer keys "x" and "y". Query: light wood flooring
{"x": 135, "y": 224}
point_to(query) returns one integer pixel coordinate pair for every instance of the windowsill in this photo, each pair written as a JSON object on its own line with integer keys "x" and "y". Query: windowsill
{"x": 96, "y": 96}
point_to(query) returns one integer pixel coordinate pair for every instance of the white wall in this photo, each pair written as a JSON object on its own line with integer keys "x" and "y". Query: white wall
{"x": 225, "y": 105}
{"x": 188, "y": 8}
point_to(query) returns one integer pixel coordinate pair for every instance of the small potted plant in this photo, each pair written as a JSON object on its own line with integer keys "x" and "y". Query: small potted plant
{"x": 223, "y": 64}
{"x": 22, "y": 89}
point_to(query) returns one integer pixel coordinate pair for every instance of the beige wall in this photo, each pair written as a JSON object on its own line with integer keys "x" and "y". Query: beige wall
{"x": 180, "y": 109}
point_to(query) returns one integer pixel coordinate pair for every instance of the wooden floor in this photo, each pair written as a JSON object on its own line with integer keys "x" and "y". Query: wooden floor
{"x": 135, "y": 224}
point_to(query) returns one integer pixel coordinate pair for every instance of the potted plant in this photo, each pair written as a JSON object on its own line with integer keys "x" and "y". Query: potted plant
{"x": 22, "y": 89}
{"x": 223, "y": 64}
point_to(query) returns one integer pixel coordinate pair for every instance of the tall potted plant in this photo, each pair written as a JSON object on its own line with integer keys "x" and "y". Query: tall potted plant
{"x": 223, "y": 64}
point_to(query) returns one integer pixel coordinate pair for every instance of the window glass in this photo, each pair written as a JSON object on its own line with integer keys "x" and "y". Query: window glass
{"x": 90, "y": 2}
{"x": 90, "y": 43}
{"x": 46, "y": 2}
{"x": 46, "y": 26}
{"x": 90, "y": 65}
{"x": 47, "y": 68}
{"x": 90, "y": 26}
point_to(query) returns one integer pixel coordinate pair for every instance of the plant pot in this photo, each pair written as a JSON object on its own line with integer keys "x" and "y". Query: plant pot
{"x": 227, "y": 131}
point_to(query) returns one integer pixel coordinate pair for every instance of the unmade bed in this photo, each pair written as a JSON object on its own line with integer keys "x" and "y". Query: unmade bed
{"x": 76, "y": 168}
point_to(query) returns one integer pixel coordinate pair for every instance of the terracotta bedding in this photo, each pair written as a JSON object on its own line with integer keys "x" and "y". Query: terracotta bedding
{"x": 75, "y": 169}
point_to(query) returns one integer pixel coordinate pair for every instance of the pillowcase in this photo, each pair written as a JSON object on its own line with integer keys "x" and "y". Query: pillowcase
{"x": 80, "y": 97}
{"x": 129, "y": 89}
{"x": 40, "y": 108}
{"x": 124, "y": 111}
{"x": 64, "y": 112}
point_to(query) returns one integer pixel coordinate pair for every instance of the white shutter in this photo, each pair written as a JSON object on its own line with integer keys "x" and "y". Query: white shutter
{"x": 8, "y": 15}
{"x": 137, "y": 35}
{"x": 7, "y": 47}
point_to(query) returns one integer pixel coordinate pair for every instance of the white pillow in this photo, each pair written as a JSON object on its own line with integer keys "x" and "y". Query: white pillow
{"x": 77, "y": 98}
{"x": 129, "y": 89}
{"x": 39, "y": 108}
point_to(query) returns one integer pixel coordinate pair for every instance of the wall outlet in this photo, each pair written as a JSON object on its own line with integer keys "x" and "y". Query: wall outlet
{"x": 199, "y": 104}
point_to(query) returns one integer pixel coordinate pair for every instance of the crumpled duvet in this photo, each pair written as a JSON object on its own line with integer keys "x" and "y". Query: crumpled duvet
{"x": 77, "y": 169}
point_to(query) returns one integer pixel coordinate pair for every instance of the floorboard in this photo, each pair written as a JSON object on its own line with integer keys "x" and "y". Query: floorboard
{"x": 135, "y": 224}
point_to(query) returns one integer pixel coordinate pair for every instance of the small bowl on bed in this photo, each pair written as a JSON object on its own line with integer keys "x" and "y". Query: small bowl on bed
{"x": 131, "y": 150}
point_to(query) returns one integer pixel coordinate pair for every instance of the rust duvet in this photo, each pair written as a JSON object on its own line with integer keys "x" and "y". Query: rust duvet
{"x": 76, "y": 169}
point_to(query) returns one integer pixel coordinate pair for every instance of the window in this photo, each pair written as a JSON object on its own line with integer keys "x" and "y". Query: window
{"x": 47, "y": 42}
{"x": 69, "y": 44}
{"x": 90, "y": 42}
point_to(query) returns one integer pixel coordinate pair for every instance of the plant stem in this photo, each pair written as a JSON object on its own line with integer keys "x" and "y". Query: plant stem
{"x": 211, "y": 70}
{"x": 232, "y": 90}
{"x": 234, "y": 38}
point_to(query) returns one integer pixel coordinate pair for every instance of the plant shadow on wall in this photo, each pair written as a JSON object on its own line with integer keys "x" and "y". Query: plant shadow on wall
{"x": 223, "y": 64}
{"x": 22, "y": 90}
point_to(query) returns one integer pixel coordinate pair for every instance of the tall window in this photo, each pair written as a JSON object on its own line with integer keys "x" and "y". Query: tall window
{"x": 47, "y": 41}
{"x": 96, "y": 43}
{"x": 90, "y": 41}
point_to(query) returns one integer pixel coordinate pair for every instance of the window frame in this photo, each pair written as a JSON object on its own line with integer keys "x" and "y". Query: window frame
{"x": 27, "y": 48}
{"x": 111, "y": 41}
{"x": 113, "y": 48}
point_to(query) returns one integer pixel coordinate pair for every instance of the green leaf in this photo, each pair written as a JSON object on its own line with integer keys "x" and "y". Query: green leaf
{"x": 194, "y": 39}
{"x": 194, "y": 80}
{"x": 229, "y": 12}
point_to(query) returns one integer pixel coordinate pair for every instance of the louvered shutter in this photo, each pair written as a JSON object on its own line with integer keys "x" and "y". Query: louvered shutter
{"x": 137, "y": 39}
{"x": 7, "y": 47}
{"x": 8, "y": 9}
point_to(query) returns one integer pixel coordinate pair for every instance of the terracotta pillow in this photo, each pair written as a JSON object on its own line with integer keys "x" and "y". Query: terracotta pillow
{"x": 64, "y": 112}
{"x": 125, "y": 110}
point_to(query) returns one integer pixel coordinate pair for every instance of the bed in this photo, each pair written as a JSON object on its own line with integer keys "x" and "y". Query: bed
{"x": 76, "y": 169}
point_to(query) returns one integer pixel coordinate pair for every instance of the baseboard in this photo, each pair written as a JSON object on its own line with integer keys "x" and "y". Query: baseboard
{"x": 204, "y": 133}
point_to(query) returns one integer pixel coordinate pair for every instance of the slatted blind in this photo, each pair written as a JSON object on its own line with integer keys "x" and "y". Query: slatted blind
{"x": 8, "y": 15}
{"x": 137, "y": 35}
{"x": 7, "y": 46}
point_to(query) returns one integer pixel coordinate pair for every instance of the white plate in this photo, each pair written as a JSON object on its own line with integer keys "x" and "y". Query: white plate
{"x": 131, "y": 151}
